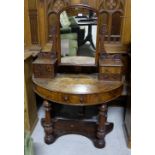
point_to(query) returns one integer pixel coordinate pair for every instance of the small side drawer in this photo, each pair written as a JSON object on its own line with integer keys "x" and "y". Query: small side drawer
{"x": 44, "y": 68}
{"x": 112, "y": 70}
{"x": 73, "y": 99}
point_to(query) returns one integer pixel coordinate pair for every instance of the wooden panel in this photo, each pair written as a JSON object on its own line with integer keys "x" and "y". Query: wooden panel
{"x": 114, "y": 11}
{"x": 127, "y": 122}
{"x": 127, "y": 119}
{"x": 27, "y": 32}
{"x": 116, "y": 48}
{"x": 42, "y": 21}
{"x": 32, "y": 5}
{"x": 75, "y": 1}
{"x": 126, "y": 27}
{"x": 111, "y": 70}
{"x": 34, "y": 26}
{"x": 30, "y": 110}
{"x": 26, "y": 116}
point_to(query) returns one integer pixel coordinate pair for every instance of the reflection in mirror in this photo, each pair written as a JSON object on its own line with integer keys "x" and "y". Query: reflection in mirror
{"x": 78, "y": 29}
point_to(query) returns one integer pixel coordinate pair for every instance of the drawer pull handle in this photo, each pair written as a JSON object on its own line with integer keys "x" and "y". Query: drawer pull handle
{"x": 81, "y": 99}
{"x": 66, "y": 98}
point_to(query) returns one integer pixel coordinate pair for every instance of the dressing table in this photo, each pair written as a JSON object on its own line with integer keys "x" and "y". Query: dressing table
{"x": 91, "y": 81}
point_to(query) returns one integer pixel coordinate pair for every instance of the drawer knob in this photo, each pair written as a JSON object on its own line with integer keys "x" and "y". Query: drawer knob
{"x": 66, "y": 98}
{"x": 81, "y": 99}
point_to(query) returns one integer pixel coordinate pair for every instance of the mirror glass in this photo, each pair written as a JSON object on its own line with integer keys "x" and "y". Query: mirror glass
{"x": 78, "y": 30}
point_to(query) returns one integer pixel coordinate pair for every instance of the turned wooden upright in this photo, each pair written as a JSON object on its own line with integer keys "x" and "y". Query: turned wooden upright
{"x": 101, "y": 85}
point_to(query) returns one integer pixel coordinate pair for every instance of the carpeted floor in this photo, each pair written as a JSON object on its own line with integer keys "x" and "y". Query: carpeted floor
{"x": 80, "y": 145}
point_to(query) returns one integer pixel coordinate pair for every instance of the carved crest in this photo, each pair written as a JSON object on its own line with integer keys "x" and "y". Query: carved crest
{"x": 110, "y": 4}
{"x": 56, "y": 5}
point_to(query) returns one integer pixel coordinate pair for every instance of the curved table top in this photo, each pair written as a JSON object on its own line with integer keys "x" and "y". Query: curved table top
{"x": 67, "y": 87}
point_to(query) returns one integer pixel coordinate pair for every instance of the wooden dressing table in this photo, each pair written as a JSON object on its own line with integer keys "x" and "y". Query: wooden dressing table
{"x": 76, "y": 88}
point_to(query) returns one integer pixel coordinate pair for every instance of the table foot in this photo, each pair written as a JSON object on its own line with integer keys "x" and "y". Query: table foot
{"x": 100, "y": 142}
{"x": 103, "y": 127}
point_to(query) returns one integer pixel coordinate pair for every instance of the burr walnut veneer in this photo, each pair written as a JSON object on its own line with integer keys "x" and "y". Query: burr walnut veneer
{"x": 77, "y": 89}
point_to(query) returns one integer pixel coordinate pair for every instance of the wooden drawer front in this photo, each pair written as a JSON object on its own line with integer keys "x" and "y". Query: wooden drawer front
{"x": 43, "y": 70}
{"x": 81, "y": 100}
{"x": 112, "y": 70}
{"x": 110, "y": 77}
{"x": 110, "y": 73}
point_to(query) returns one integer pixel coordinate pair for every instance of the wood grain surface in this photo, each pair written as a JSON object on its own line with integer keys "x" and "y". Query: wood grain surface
{"x": 77, "y": 89}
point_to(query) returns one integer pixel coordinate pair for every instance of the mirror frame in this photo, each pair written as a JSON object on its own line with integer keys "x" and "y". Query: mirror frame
{"x": 55, "y": 35}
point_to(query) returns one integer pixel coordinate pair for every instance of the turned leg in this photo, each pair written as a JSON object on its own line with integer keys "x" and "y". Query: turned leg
{"x": 101, "y": 130}
{"x": 47, "y": 123}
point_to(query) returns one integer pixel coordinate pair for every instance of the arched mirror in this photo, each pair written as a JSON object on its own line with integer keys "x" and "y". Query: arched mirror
{"x": 78, "y": 35}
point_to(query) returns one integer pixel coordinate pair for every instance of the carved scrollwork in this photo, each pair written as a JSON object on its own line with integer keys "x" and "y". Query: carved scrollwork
{"x": 56, "y": 5}
{"x": 110, "y": 4}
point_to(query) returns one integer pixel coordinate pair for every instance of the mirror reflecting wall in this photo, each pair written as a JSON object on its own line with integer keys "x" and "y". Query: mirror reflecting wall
{"x": 78, "y": 30}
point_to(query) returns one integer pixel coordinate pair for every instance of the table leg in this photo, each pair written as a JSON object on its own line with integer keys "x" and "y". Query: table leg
{"x": 103, "y": 127}
{"x": 47, "y": 123}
